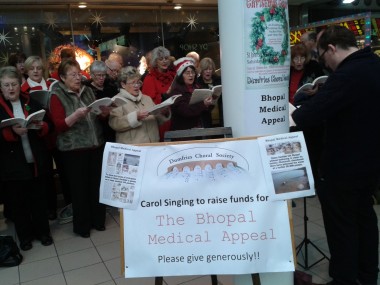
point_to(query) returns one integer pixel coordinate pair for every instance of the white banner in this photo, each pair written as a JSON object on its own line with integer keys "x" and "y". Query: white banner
{"x": 267, "y": 66}
{"x": 205, "y": 209}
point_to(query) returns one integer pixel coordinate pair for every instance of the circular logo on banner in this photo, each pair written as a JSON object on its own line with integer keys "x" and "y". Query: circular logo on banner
{"x": 269, "y": 35}
{"x": 199, "y": 164}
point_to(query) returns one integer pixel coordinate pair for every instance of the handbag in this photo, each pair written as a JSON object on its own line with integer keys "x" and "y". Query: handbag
{"x": 302, "y": 278}
{"x": 9, "y": 252}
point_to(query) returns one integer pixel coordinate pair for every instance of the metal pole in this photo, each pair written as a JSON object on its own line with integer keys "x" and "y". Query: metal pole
{"x": 71, "y": 24}
{"x": 162, "y": 28}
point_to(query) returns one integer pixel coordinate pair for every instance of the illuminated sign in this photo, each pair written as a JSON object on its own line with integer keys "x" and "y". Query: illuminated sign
{"x": 359, "y": 24}
{"x": 375, "y": 27}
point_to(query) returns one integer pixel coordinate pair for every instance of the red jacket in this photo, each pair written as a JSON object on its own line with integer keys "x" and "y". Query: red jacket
{"x": 157, "y": 83}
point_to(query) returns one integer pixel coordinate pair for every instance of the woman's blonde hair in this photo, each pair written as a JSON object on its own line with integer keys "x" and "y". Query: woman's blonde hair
{"x": 206, "y": 63}
{"x": 32, "y": 59}
{"x": 128, "y": 73}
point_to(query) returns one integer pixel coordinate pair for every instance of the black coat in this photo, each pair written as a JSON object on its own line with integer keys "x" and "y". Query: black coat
{"x": 206, "y": 117}
{"x": 13, "y": 164}
{"x": 184, "y": 115}
{"x": 312, "y": 70}
{"x": 110, "y": 89}
{"x": 348, "y": 103}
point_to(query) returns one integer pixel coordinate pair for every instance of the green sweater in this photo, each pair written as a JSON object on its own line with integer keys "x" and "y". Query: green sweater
{"x": 85, "y": 133}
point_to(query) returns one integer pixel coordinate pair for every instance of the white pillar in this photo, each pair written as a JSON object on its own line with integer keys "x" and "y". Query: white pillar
{"x": 242, "y": 101}
{"x": 231, "y": 35}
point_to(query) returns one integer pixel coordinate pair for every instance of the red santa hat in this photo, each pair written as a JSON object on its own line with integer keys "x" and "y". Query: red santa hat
{"x": 182, "y": 63}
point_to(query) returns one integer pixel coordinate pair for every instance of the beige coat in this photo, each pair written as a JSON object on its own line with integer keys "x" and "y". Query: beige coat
{"x": 123, "y": 120}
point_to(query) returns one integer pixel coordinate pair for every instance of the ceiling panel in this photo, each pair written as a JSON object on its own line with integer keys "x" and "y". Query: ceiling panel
{"x": 139, "y": 2}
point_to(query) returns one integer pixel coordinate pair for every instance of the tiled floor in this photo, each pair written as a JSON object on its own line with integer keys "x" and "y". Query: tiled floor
{"x": 73, "y": 260}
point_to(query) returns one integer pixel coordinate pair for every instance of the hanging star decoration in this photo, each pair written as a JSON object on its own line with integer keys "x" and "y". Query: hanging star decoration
{"x": 4, "y": 59}
{"x": 97, "y": 19}
{"x": 192, "y": 22}
{"x": 50, "y": 20}
{"x": 4, "y": 38}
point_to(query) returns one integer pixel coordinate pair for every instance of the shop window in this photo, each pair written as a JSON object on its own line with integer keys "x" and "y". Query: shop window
{"x": 131, "y": 31}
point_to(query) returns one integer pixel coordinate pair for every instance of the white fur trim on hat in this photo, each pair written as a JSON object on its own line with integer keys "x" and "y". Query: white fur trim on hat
{"x": 182, "y": 63}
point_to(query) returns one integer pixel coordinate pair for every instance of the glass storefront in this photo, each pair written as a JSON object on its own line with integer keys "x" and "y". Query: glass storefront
{"x": 99, "y": 30}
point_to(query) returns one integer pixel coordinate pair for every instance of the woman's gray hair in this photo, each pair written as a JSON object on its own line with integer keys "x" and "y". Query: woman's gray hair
{"x": 11, "y": 72}
{"x": 128, "y": 73}
{"x": 157, "y": 53}
{"x": 32, "y": 59}
{"x": 98, "y": 66}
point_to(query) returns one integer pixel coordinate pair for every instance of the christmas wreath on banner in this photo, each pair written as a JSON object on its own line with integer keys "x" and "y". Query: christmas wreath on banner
{"x": 259, "y": 25}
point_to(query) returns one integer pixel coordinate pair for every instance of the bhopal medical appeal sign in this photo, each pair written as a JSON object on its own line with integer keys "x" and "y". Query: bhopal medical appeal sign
{"x": 202, "y": 208}
{"x": 267, "y": 64}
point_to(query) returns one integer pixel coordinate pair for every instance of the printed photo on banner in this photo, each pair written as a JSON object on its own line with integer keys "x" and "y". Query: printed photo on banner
{"x": 286, "y": 166}
{"x": 208, "y": 165}
{"x": 121, "y": 175}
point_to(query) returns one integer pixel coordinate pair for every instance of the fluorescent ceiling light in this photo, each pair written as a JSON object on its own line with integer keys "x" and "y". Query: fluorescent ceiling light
{"x": 347, "y": 1}
{"x": 178, "y": 6}
{"x": 82, "y": 5}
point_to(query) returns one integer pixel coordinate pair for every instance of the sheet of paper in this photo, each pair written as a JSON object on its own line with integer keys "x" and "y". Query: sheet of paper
{"x": 122, "y": 171}
{"x": 286, "y": 166}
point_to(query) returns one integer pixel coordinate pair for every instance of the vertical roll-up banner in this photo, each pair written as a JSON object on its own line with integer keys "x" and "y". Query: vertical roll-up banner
{"x": 255, "y": 65}
{"x": 266, "y": 48}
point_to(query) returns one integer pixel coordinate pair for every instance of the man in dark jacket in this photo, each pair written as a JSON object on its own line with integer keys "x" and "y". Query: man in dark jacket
{"x": 348, "y": 104}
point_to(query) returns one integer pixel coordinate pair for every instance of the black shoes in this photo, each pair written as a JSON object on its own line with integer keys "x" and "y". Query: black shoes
{"x": 100, "y": 228}
{"x": 87, "y": 234}
{"x": 83, "y": 235}
{"x": 26, "y": 245}
{"x": 46, "y": 240}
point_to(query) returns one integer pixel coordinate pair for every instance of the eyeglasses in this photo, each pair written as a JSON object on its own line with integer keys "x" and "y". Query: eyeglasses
{"x": 9, "y": 85}
{"x": 135, "y": 84}
{"x": 100, "y": 75}
{"x": 188, "y": 73}
{"x": 321, "y": 57}
{"x": 74, "y": 75}
{"x": 299, "y": 59}
{"x": 113, "y": 70}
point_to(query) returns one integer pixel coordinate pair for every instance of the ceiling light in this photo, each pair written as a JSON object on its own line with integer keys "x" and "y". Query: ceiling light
{"x": 178, "y": 6}
{"x": 82, "y": 5}
{"x": 347, "y": 1}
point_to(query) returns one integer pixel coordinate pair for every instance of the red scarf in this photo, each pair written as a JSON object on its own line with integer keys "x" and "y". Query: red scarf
{"x": 165, "y": 77}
